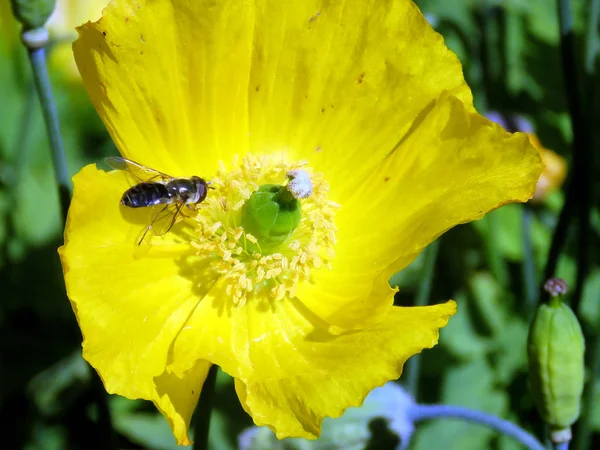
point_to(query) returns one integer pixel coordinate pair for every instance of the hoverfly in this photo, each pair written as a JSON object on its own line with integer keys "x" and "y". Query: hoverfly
{"x": 156, "y": 188}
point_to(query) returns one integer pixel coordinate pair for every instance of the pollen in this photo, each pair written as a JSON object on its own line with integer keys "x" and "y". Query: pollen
{"x": 235, "y": 256}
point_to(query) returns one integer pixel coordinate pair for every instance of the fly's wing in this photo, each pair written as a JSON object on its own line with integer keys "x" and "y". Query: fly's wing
{"x": 165, "y": 219}
{"x": 137, "y": 171}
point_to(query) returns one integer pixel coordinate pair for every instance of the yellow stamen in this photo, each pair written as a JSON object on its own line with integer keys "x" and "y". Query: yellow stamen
{"x": 236, "y": 255}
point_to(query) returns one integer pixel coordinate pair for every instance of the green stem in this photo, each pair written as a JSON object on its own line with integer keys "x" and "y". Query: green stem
{"x": 204, "y": 410}
{"x": 22, "y": 143}
{"x": 591, "y": 40}
{"x": 413, "y": 366}
{"x": 530, "y": 282}
{"x": 559, "y": 238}
{"x": 578, "y": 191}
{"x": 495, "y": 261}
{"x": 428, "y": 412}
{"x": 587, "y": 159}
{"x": 37, "y": 57}
{"x": 581, "y": 144}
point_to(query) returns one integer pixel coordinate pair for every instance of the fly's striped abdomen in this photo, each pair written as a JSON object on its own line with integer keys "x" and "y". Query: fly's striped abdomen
{"x": 146, "y": 194}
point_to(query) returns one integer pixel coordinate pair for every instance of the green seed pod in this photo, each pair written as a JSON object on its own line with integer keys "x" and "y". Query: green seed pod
{"x": 32, "y": 13}
{"x": 271, "y": 214}
{"x": 556, "y": 367}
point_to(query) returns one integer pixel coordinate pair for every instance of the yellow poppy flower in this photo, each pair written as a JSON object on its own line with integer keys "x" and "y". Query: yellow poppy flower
{"x": 554, "y": 173}
{"x": 364, "y": 98}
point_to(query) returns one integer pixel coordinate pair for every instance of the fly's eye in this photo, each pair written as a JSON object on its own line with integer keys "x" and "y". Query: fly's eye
{"x": 204, "y": 187}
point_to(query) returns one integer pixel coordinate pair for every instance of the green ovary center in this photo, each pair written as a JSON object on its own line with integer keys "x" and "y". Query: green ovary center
{"x": 254, "y": 267}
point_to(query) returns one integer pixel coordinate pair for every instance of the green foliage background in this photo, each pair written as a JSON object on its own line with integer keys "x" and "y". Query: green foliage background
{"x": 48, "y": 396}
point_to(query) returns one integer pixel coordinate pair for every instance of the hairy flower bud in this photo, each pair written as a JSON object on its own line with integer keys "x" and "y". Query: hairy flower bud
{"x": 556, "y": 367}
{"x": 32, "y": 13}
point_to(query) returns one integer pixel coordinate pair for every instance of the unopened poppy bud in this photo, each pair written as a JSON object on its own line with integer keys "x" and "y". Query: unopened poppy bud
{"x": 273, "y": 212}
{"x": 32, "y": 13}
{"x": 556, "y": 367}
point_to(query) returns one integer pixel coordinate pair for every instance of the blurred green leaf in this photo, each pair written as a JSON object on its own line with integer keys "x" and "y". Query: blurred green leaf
{"x": 507, "y": 221}
{"x": 148, "y": 429}
{"x": 594, "y": 417}
{"x": 47, "y": 437}
{"x": 408, "y": 277}
{"x": 567, "y": 269}
{"x": 510, "y": 350}
{"x": 36, "y": 214}
{"x": 219, "y": 436}
{"x": 457, "y": 12}
{"x": 492, "y": 303}
{"x": 460, "y": 337}
{"x": 57, "y": 387}
{"x": 589, "y": 308}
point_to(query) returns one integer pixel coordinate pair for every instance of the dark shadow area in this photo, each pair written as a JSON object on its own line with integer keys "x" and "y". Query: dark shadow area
{"x": 382, "y": 438}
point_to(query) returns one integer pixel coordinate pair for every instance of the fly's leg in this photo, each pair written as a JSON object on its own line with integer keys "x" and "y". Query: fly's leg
{"x": 144, "y": 234}
{"x": 191, "y": 209}
{"x": 157, "y": 221}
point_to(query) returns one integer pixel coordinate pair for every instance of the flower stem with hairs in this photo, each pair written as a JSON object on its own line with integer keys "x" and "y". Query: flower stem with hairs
{"x": 37, "y": 57}
{"x": 427, "y": 412}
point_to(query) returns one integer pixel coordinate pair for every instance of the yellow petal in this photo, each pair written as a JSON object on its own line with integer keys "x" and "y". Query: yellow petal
{"x": 352, "y": 295}
{"x": 276, "y": 73}
{"x": 452, "y": 167}
{"x": 129, "y": 308}
{"x": 217, "y": 330}
{"x": 312, "y": 374}
{"x": 169, "y": 80}
{"x": 178, "y": 396}
{"x": 231, "y": 336}
{"x": 339, "y": 83}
